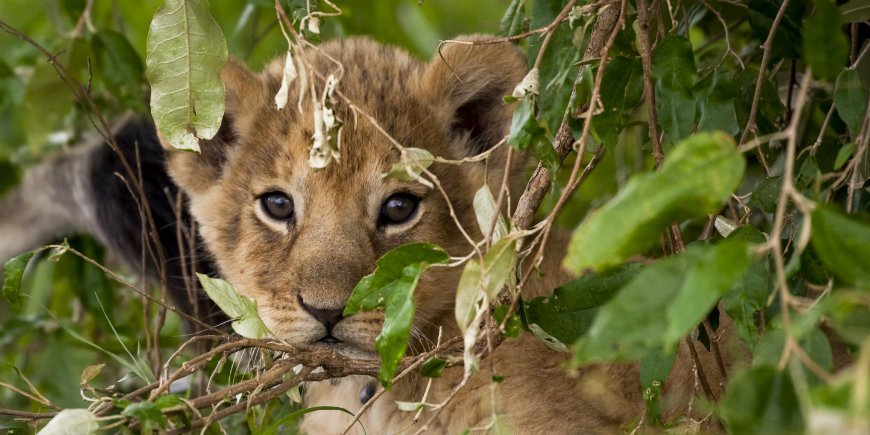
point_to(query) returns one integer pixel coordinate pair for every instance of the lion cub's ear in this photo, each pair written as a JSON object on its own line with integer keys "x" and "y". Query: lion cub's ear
{"x": 244, "y": 94}
{"x": 468, "y": 82}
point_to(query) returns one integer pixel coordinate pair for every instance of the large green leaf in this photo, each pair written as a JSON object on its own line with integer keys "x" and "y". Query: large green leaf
{"x": 663, "y": 303}
{"x": 762, "y": 400}
{"x": 714, "y": 98}
{"x": 391, "y": 287}
{"x": 825, "y": 49}
{"x": 185, "y": 54}
{"x": 850, "y": 99}
{"x": 673, "y": 69}
{"x": 499, "y": 264}
{"x": 13, "y": 271}
{"x": 770, "y": 106}
{"x": 843, "y": 244}
{"x": 621, "y": 89}
{"x": 567, "y": 314}
{"x": 697, "y": 177}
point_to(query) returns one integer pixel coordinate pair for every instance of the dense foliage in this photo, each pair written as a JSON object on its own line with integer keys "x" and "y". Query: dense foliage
{"x": 711, "y": 158}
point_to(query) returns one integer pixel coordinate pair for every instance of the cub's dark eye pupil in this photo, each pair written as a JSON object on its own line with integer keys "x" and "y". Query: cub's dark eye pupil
{"x": 398, "y": 208}
{"x": 277, "y": 205}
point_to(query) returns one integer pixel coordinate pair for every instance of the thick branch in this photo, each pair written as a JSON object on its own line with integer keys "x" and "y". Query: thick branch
{"x": 538, "y": 185}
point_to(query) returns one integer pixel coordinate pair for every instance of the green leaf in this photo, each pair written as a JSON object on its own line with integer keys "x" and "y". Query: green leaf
{"x": 512, "y": 19}
{"x": 714, "y": 98}
{"x": 762, "y": 400}
{"x": 485, "y": 212}
{"x": 186, "y": 51}
{"x": 788, "y": 40}
{"x": 147, "y": 413}
{"x": 649, "y": 202}
{"x": 655, "y": 368}
{"x": 243, "y": 309}
{"x": 842, "y": 242}
{"x": 621, "y": 89}
{"x": 770, "y": 106}
{"x": 433, "y": 367}
{"x": 391, "y": 287}
{"x": 412, "y": 164}
{"x": 663, "y": 303}
{"x": 13, "y": 271}
{"x": 673, "y": 69}
{"x": 843, "y": 155}
{"x": 525, "y": 129}
{"x": 826, "y": 50}
{"x": 850, "y": 99}
{"x": 749, "y": 295}
{"x": 766, "y": 194}
{"x": 568, "y": 313}
{"x": 120, "y": 67}
{"x": 856, "y": 11}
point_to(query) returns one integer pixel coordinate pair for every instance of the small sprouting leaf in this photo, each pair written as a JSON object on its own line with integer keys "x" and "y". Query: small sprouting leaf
{"x": 186, "y": 51}
{"x": 409, "y": 406}
{"x": 13, "y": 272}
{"x": 673, "y": 69}
{"x": 651, "y": 201}
{"x": 669, "y": 298}
{"x": 243, "y": 309}
{"x": 71, "y": 421}
{"x": 91, "y": 372}
{"x": 569, "y": 311}
{"x": 842, "y": 242}
{"x": 826, "y": 51}
{"x": 762, "y": 400}
{"x": 843, "y": 155}
{"x": 391, "y": 287}
{"x": 714, "y": 97}
{"x": 850, "y": 99}
{"x": 433, "y": 367}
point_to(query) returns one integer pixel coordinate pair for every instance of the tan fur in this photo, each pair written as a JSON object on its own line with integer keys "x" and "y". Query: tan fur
{"x": 335, "y": 240}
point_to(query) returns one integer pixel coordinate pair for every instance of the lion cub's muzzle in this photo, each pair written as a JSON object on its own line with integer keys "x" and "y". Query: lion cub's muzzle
{"x": 328, "y": 317}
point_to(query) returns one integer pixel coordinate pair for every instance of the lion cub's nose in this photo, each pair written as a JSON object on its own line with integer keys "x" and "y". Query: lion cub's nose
{"x": 328, "y": 317}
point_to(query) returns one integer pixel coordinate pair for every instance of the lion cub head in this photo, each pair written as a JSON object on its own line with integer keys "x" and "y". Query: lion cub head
{"x": 298, "y": 239}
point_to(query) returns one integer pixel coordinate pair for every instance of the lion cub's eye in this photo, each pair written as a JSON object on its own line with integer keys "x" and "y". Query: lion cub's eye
{"x": 277, "y": 205}
{"x": 398, "y": 208}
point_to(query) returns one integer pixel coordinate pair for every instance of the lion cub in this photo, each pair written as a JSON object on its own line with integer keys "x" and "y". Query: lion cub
{"x": 298, "y": 239}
